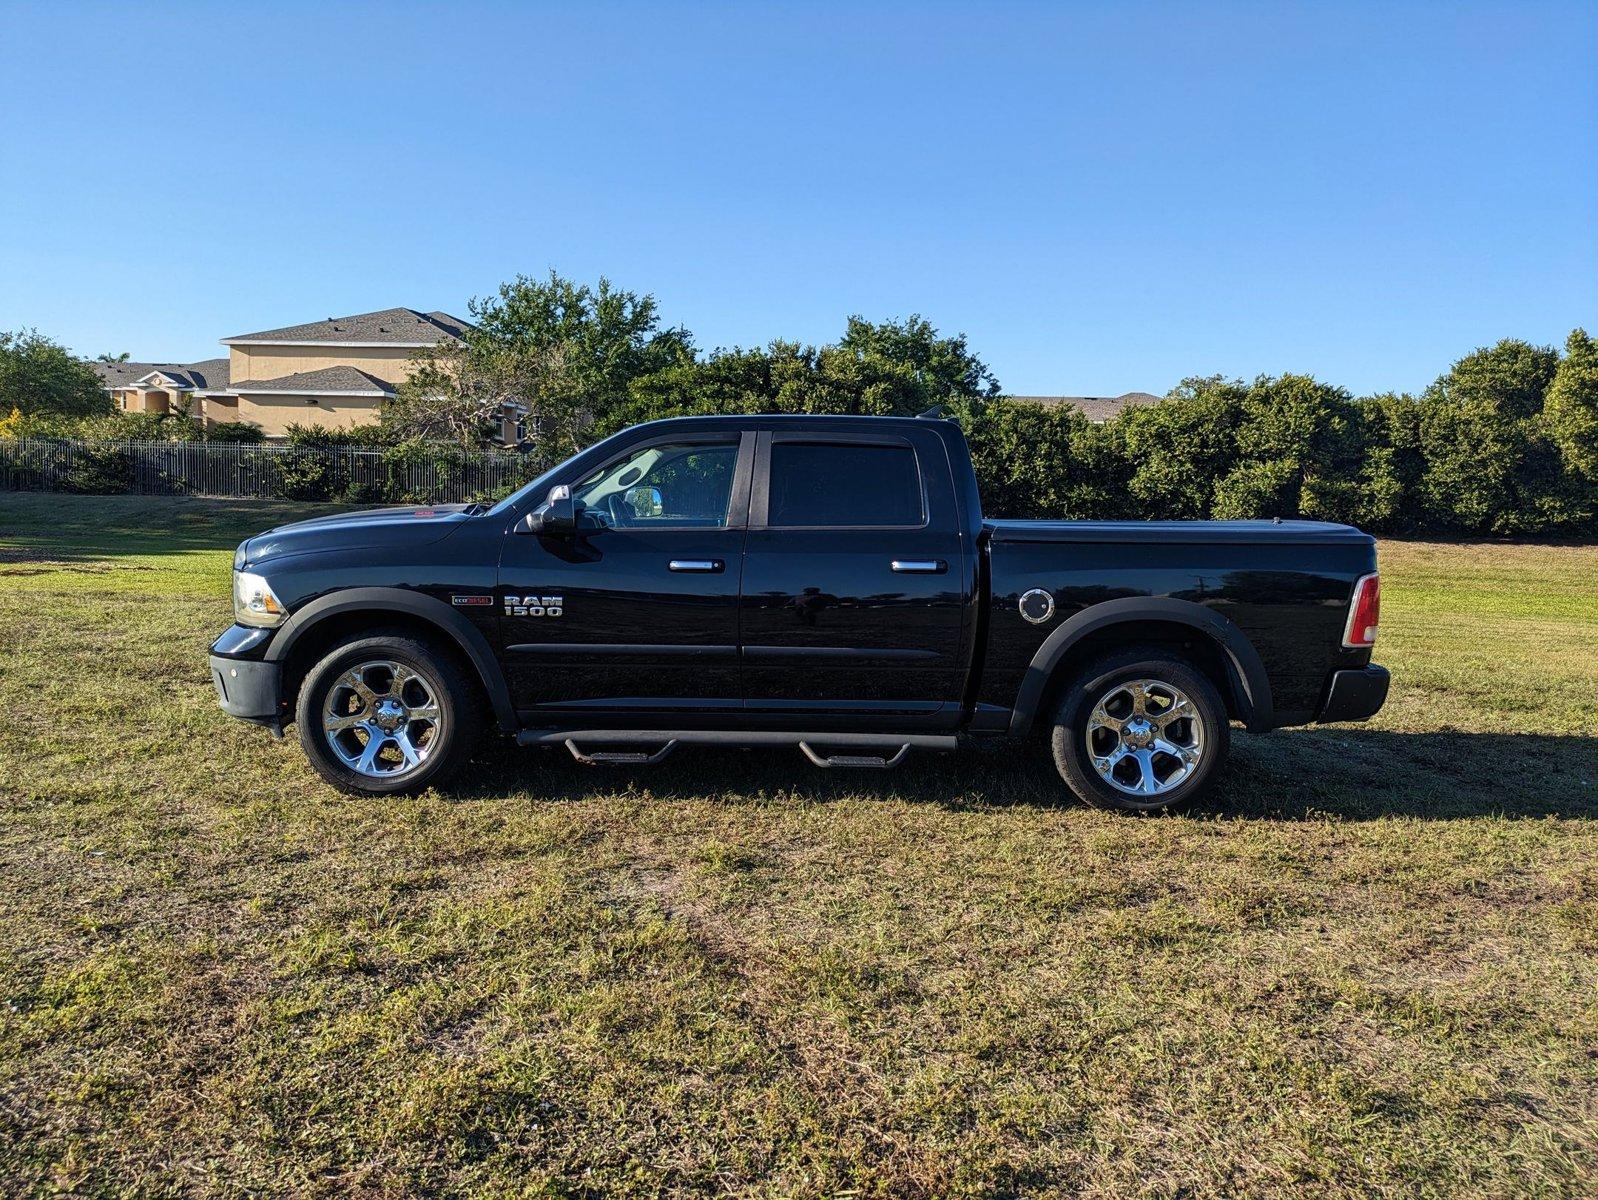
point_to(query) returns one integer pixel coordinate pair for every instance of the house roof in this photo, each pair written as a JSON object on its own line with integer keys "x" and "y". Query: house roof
{"x": 1095, "y": 408}
{"x": 121, "y": 374}
{"x": 390, "y": 327}
{"x": 207, "y": 376}
{"x": 343, "y": 381}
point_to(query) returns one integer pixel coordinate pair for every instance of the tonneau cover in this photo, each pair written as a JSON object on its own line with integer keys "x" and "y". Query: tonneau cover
{"x": 1312, "y": 533}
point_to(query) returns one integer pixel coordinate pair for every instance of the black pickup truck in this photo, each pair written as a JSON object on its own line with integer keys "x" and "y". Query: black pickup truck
{"x": 822, "y": 582}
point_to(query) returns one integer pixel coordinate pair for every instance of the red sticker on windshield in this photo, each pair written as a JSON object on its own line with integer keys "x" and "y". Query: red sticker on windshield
{"x": 426, "y": 512}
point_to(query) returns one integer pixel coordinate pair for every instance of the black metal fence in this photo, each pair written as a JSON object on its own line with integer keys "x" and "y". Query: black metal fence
{"x": 401, "y": 474}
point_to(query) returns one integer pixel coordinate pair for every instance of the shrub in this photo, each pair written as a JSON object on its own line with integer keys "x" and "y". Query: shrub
{"x": 236, "y": 431}
{"x": 100, "y": 469}
{"x": 360, "y": 436}
{"x": 302, "y": 477}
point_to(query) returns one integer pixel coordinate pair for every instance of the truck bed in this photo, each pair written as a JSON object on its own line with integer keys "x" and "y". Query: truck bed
{"x": 1299, "y": 533}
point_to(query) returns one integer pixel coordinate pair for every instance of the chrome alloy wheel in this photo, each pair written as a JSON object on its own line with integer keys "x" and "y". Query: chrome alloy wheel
{"x": 1145, "y": 737}
{"x": 381, "y": 719}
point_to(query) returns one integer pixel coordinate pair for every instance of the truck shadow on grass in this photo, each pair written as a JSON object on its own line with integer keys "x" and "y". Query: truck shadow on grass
{"x": 1315, "y": 774}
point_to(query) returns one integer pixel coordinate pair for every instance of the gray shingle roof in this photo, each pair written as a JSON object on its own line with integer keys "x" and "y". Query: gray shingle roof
{"x": 1095, "y": 408}
{"x": 392, "y": 326}
{"x": 208, "y": 376}
{"x": 328, "y": 379}
{"x": 121, "y": 374}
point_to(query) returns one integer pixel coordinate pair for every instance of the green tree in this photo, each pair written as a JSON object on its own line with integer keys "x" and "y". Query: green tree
{"x": 1036, "y": 461}
{"x": 891, "y": 368}
{"x": 725, "y": 381}
{"x": 1297, "y": 453}
{"x": 1490, "y": 467}
{"x": 1388, "y": 429}
{"x": 1571, "y": 409}
{"x": 39, "y": 376}
{"x": 925, "y": 367}
{"x": 566, "y": 351}
{"x": 1178, "y": 449}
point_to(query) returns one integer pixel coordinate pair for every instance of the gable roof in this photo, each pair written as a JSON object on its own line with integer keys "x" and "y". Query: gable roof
{"x": 390, "y": 327}
{"x": 207, "y": 376}
{"x": 1095, "y": 408}
{"x": 122, "y": 374}
{"x": 328, "y": 381}
{"x": 210, "y": 375}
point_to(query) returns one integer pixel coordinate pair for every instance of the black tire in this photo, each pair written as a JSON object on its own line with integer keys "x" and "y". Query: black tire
{"x": 1106, "y": 679}
{"x": 443, "y": 742}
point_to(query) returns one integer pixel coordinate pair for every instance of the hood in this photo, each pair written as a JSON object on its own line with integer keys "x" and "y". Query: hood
{"x": 414, "y": 525}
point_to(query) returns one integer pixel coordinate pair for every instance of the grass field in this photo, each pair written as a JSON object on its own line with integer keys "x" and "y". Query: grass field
{"x": 1370, "y": 969}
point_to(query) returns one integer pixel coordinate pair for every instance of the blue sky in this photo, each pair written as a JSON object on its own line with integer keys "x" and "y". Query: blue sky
{"x": 1102, "y": 197}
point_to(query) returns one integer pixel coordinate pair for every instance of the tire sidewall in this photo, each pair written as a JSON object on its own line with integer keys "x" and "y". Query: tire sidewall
{"x": 442, "y": 680}
{"x": 1068, "y": 741}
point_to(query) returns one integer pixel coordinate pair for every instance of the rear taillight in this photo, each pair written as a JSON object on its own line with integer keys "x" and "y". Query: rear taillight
{"x": 1364, "y": 612}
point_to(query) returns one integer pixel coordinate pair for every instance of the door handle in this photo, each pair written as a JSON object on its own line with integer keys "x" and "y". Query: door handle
{"x": 703, "y": 565}
{"x": 920, "y": 566}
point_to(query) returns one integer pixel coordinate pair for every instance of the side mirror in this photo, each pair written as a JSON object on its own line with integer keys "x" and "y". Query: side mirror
{"x": 556, "y": 516}
{"x": 644, "y": 501}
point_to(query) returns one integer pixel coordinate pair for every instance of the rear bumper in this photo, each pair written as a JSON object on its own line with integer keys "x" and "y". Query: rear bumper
{"x": 249, "y": 690}
{"x": 1354, "y": 695}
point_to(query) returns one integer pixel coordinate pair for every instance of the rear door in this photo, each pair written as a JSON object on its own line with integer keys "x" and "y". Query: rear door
{"x": 638, "y": 614}
{"x": 853, "y": 598}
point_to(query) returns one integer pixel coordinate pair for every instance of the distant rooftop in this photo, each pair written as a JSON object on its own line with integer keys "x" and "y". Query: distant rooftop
{"x": 336, "y": 381}
{"x": 206, "y": 376}
{"x": 1095, "y": 408}
{"x": 391, "y": 327}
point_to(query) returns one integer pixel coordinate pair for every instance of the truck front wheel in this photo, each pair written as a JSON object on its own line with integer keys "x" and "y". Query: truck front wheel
{"x": 387, "y": 714}
{"x": 1140, "y": 731}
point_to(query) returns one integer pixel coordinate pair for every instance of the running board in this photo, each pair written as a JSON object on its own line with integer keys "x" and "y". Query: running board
{"x": 646, "y": 746}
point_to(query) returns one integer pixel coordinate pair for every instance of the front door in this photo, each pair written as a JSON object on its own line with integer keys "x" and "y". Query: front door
{"x": 854, "y": 590}
{"x": 638, "y": 613}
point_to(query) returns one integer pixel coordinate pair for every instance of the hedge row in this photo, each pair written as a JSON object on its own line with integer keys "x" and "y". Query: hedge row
{"x": 1505, "y": 443}
{"x": 399, "y": 474}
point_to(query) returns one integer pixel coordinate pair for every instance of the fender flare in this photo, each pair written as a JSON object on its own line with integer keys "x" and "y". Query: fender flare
{"x": 435, "y": 612}
{"x": 1245, "y": 673}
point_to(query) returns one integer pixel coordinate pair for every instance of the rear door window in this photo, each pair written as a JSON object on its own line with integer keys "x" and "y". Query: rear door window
{"x": 844, "y": 485}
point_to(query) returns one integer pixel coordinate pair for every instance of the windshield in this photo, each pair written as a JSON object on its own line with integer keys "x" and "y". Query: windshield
{"x": 538, "y": 487}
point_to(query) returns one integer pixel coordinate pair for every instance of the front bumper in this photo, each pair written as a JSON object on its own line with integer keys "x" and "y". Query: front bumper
{"x": 1354, "y": 695}
{"x": 249, "y": 690}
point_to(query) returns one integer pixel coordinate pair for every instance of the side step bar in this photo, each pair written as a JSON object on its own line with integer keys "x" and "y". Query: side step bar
{"x": 880, "y": 762}
{"x": 638, "y": 758}
{"x": 648, "y": 746}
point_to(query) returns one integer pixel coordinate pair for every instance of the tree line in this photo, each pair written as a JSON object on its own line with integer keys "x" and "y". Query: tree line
{"x": 1504, "y": 442}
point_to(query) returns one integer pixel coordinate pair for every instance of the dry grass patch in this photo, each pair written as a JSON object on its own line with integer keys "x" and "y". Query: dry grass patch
{"x": 1372, "y": 969}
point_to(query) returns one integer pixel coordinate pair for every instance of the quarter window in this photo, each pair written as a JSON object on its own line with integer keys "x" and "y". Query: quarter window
{"x": 844, "y": 485}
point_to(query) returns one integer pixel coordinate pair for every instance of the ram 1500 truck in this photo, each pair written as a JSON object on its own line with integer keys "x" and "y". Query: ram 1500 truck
{"x": 822, "y": 582}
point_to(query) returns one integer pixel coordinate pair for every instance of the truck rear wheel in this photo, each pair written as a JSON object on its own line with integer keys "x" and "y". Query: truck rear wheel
{"x": 1140, "y": 731}
{"x": 387, "y": 714}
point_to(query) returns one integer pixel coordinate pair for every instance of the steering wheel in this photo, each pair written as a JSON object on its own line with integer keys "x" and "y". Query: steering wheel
{"x": 615, "y": 506}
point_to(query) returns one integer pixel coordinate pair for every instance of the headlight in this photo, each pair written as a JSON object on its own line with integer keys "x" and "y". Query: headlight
{"x": 254, "y": 602}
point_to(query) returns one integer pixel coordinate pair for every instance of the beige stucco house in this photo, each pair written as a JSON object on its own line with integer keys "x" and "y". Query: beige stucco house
{"x": 335, "y": 373}
{"x": 142, "y": 387}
